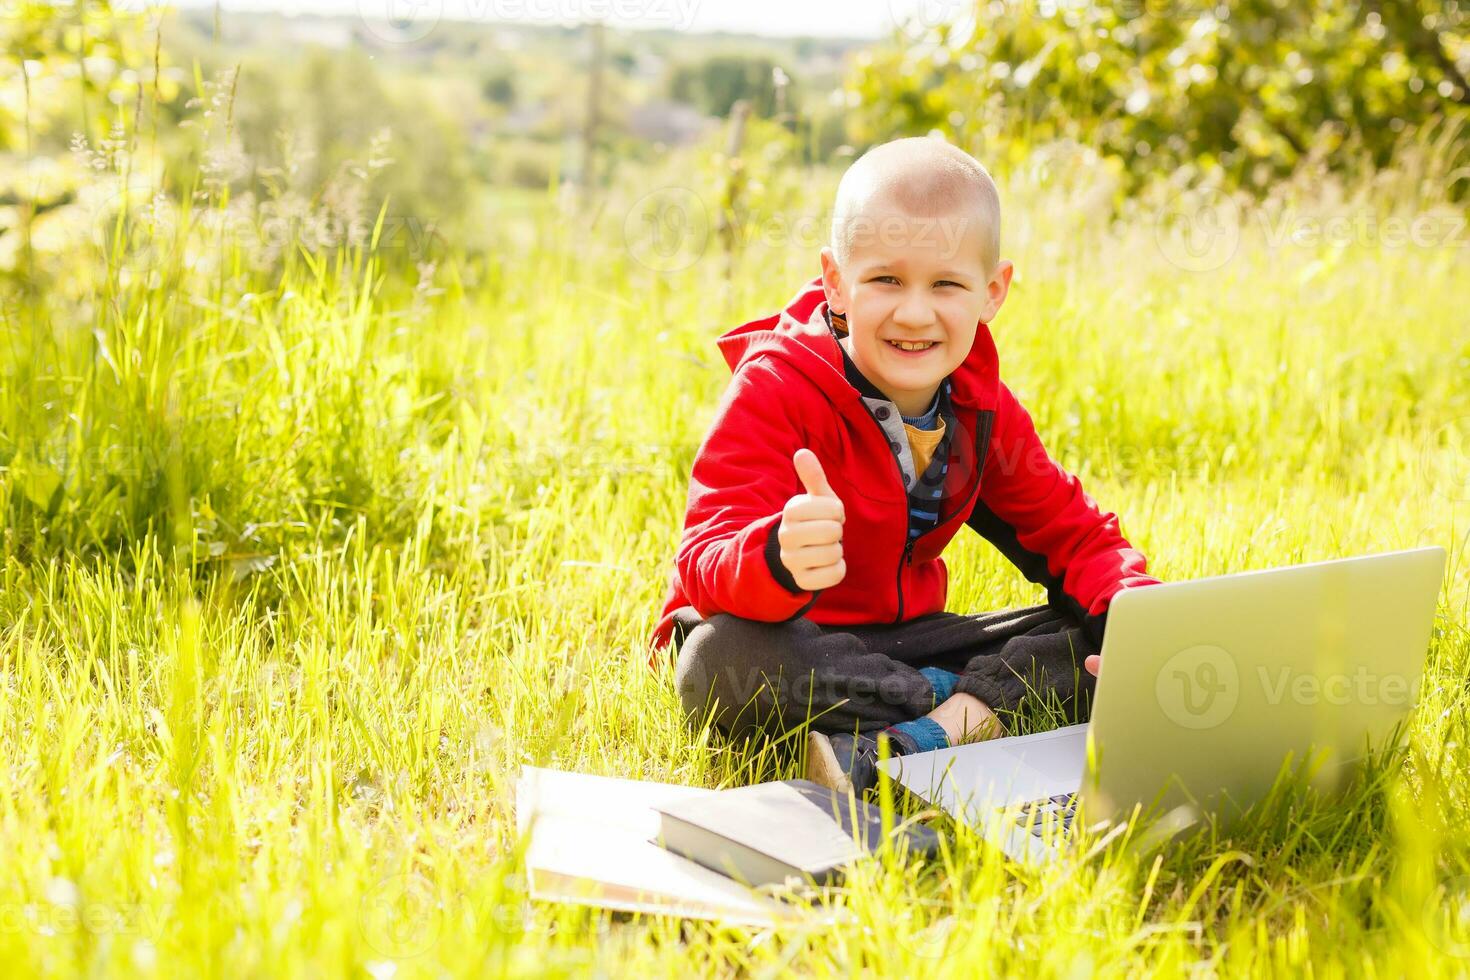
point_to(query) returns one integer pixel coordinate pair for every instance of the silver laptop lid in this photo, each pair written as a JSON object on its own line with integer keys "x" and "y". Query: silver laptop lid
{"x": 1207, "y": 685}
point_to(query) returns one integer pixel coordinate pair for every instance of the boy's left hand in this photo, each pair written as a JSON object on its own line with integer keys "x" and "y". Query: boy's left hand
{"x": 1092, "y": 663}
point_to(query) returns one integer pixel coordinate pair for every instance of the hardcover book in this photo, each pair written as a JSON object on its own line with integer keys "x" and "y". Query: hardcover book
{"x": 771, "y": 833}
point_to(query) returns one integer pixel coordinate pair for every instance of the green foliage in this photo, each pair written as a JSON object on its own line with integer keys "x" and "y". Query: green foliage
{"x": 308, "y": 122}
{"x": 308, "y": 154}
{"x": 719, "y": 81}
{"x": 1246, "y": 90}
{"x": 72, "y": 67}
{"x": 499, "y": 88}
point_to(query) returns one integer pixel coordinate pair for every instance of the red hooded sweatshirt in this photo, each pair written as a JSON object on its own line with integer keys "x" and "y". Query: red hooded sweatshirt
{"x": 789, "y": 390}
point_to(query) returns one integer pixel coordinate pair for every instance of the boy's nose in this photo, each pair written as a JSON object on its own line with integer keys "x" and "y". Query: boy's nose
{"x": 912, "y": 311}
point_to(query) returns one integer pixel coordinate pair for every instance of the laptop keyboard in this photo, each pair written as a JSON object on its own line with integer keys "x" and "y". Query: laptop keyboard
{"x": 1036, "y": 815}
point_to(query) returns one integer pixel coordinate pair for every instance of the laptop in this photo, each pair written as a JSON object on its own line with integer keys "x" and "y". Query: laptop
{"x": 1208, "y": 690}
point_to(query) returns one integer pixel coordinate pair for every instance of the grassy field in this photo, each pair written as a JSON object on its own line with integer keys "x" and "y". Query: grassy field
{"x": 303, "y": 559}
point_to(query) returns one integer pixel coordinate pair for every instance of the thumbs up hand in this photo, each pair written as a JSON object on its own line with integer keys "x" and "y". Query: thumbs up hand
{"x": 811, "y": 528}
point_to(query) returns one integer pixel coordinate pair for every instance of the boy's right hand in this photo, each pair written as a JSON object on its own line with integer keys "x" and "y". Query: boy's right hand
{"x": 811, "y": 528}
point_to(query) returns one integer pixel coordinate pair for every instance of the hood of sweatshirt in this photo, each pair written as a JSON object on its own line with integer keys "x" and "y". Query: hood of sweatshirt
{"x": 799, "y": 335}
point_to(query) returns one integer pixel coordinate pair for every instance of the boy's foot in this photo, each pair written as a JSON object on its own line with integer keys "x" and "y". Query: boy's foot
{"x": 847, "y": 763}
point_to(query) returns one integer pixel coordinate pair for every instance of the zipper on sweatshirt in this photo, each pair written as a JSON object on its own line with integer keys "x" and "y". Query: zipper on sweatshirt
{"x": 907, "y": 560}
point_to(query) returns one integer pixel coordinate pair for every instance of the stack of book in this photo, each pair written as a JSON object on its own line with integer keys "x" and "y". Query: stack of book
{"x": 680, "y": 850}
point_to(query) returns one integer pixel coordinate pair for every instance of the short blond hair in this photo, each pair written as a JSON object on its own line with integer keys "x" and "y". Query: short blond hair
{"x": 923, "y": 176}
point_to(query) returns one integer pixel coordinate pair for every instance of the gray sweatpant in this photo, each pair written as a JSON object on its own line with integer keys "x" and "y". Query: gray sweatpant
{"x": 773, "y": 677}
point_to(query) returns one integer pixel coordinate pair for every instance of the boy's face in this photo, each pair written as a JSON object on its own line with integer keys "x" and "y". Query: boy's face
{"x": 913, "y": 279}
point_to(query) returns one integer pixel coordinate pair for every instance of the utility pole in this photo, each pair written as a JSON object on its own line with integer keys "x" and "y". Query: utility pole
{"x": 727, "y": 224}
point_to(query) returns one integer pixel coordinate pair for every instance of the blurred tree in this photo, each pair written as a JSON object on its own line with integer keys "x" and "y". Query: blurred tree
{"x": 719, "y": 81}
{"x": 1246, "y": 89}
{"x": 306, "y": 121}
{"x": 500, "y": 88}
{"x": 74, "y": 78}
{"x": 69, "y": 67}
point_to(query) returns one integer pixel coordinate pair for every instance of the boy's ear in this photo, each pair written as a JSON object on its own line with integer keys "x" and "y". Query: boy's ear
{"x": 997, "y": 289}
{"x": 832, "y": 280}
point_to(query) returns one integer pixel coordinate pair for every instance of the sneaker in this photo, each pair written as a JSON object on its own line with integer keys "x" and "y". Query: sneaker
{"x": 847, "y": 763}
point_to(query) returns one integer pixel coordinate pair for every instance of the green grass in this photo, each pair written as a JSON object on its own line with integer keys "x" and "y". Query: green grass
{"x": 301, "y": 563}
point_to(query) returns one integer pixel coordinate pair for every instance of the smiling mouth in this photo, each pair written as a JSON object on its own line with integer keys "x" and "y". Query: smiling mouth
{"x": 912, "y": 347}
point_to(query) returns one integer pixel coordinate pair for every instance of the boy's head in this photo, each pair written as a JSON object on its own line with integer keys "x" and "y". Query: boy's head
{"x": 914, "y": 258}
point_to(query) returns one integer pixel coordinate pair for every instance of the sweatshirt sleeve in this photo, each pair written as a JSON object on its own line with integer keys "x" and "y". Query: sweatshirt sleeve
{"x": 1038, "y": 516}
{"x": 729, "y": 557}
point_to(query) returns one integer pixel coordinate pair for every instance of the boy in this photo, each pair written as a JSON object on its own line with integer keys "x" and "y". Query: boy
{"x": 863, "y": 426}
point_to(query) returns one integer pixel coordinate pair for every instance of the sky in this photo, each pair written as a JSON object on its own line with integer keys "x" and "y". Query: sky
{"x": 844, "y": 18}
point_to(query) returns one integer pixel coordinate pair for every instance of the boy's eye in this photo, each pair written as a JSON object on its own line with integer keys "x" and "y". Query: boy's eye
{"x": 894, "y": 279}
